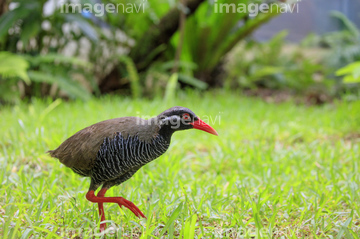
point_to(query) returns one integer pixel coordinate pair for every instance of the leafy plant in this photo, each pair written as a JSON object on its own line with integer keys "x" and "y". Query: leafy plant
{"x": 38, "y": 32}
{"x": 54, "y": 69}
{"x": 211, "y": 35}
{"x": 13, "y": 66}
{"x": 146, "y": 14}
{"x": 267, "y": 65}
{"x": 252, "y": 62}
{"x": 343, "y": 46}
{"x": 27, "y": 31}
{"x": 350, "y": 73}
{"x": 12, "y": 69}
{"x": 171, "y": 88}
{"x": 343, "y": 53}
{"x": 133, "y": 76}
{"x": 52, "y": 44}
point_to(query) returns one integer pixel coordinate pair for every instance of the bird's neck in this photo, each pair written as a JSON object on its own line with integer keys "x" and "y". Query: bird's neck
{"x": 166, "y": 133}
{"x": 165, "y": 130}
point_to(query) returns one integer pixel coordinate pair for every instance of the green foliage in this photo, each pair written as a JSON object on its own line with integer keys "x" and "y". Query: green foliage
{"x": 154, "y": 10}
{"x": 270, "y": 65}
{"x": 45, "y": 41}
{"x": 157, "y": 79}
{"x": 12, "y": 69}
{"x": 170, "y": 92}
{"x": 25, "y": 23}
{"x": 351, "y": 73}
{"x": 61, "y": 70}
{"x": 280, "y": 170}
{"x": 13, "y": 66}
{"x": 133, "y": 76}
{"x": 54, "y": 69}
{"x": 209, "y": 36}
{"x": 343, "y": 49}
{"x": 27, "y": 31}
{"x": 343, "y": 46}
{"x": 57, "y": 59}
{"x": 30, "y": 14}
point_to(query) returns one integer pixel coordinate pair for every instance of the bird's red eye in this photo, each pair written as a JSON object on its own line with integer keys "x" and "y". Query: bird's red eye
{"x": 186, "y": 116}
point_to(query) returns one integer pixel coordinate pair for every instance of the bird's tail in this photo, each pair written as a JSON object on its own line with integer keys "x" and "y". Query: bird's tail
{"x": 51, "y": 152}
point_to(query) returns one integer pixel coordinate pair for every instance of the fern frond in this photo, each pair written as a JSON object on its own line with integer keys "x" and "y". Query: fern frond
{"x": 12, "y": 65}
{"x": 133, "y": 76}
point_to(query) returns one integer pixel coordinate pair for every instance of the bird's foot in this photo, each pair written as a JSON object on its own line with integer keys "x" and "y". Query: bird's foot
{"x": 100, "y": 199}
{"x": 102, "y": 226}
{"x": 131, "y": 206}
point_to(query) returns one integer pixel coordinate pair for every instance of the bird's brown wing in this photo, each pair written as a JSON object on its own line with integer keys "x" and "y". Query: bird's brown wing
{"x": 80, "y": 150}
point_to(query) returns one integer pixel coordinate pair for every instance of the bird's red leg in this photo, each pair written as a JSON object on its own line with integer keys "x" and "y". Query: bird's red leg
{"x": 101, "y": 193}
{"x": 119, "y": 200}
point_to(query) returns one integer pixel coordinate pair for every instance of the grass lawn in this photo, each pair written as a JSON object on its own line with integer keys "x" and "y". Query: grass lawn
{"x": 274, "y": 170}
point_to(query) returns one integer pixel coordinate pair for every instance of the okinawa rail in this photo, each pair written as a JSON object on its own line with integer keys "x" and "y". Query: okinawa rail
{"x": 111, "y": 151}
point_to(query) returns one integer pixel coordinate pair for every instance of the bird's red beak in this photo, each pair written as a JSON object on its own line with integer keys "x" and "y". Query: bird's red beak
{"x": 201, "y": 125}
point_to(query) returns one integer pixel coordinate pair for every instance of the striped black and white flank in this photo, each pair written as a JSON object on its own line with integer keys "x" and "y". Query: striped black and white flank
{"x": 119, "y": 158}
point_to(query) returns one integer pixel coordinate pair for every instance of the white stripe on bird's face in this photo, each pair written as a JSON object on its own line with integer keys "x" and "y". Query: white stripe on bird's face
{"x": 174, "y": 121}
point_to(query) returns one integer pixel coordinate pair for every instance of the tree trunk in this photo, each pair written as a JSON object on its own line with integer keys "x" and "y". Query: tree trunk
{"x": 3, "y": 6}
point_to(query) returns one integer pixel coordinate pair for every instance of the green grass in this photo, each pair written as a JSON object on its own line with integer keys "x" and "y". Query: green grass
{"x": 275, "y": 170}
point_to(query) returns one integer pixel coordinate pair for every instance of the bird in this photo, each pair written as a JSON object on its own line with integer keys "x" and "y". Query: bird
{"x": 112, "y": 151}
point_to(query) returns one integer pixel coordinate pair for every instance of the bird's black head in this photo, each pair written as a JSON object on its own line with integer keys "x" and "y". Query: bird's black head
{"x": 181, "y": 118}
